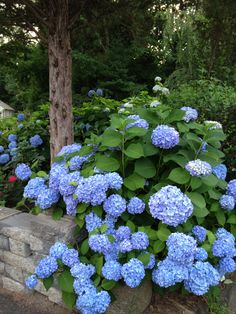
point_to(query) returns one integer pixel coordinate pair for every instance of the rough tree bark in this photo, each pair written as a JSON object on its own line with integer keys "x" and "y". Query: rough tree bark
{"x": 60, "y": 90}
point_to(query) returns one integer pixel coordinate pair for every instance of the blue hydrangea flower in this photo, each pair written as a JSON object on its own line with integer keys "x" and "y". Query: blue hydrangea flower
{"x": 114, "y": 180}
{"x": 170, "y": 206}
{"x": 92, "y": 221}
{"x": 20, "y": 126}
{"x": 4, "y": 158}
{"x": 69, "y": 149}
{"x": 12, "y": 145}
{"x": 110, "y": 222}
{"x": 20, "y": 117}
{"x": 91, "y": 93}
{"x": 165, "y": 137}
{"x": 202, "y": 275}
{"x": 220, "y": 171}
{"x": 226, "y": 265}
{"x": 31, "y": 282}
{"x": 231, "y": 188}
{"x": 47, "y": 198}
{"x": 69, "y": 182}
{"x": 111, "y": 270}
{"x": 168, "y": 273}
{"x": 57, "y": 172}
{"x": 80, "y": 270}
{"x": 70, "y": 257}
{"x": 198, "y": 168}
{"x": 83, "y": 285}
{"x": 12, "y": 138}
{"x": 227, "y": 202}
{"x": 181, "y": 248}
{"x": 152, "y": 260}
{"x": 135, "y": 206}
{"x": 112, "y": 253}
{"x": 34, "y": 187}
{"x": 1, "y": 149}
{"x": 213, "y": 125}
{"x": 46, "y": 267}
{"x": 139, "y": 240}
{"x": 57, "y": 250}
{"x": 99, "y": 92}
{"x": 23, "y": 172}
{"x": 133, "y": 272}
{"x": 191, "y": 114}
{"x": 1, "y": 133}
{"x": 114, "y": 205}
{"x": 76, "y": 162}
{"x": 123, "y": 233}
{"x": 204, "y": 147}
{"x": 199, "y": 233}
{"x": 125, "y": 246}
{"x": 36, "y": 140}
{"x": 92, "y": 302}
{"x": 201, "y": 254}
{"x": 138, "y": 122}
{"x": 71, "y": 204}
{"x": 100, "y": 243}
{"x": 224, "y": 246}
{"x": 92, "y": 190}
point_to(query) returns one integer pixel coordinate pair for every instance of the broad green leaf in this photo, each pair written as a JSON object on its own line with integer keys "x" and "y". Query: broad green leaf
{"x": 220, "y": 216}
{"x": 179, "y": 175}
{"x": 42, "y": 174}
{"x": 131, "y": 225}
{"x": 195, "y": 183}
{"x": 210, "y": 180}
{"x": 175, "y": 115}
{"x": 99, "y": 264}
{"x": 149, "y": 149}
{"x": 200, "y": 212}
{"x": 215, "y": 207}
{"x": 107, "y": 163}
{"x": 163, "y": 233}
{"x": 47, "y": 282}
{"x": 179, "y": 160}
{"x": 82, "y": 208}
{"x": 69, "y": 299}
{"x": 103, "y": 228}
{"x": 136, "y": 131}
{"x": 232, "y": 219}
{"x": 144, "y": 258}
{"x": 57, "y": 213}
{"x": 116, "y": 122}
{"x": 84, "y": 247}
{"x": 197, "y": 199}
{"x": 65, "y": 281}
{"x": 111, "y": 138}
{"x": 211, "y": 237}
{"x": 134, "y": 151}
{"x": 158, "y": 246}
{"x": 85, "y": 150}
{"x": 108, "y": 284}
{"x": 145, "y": 168}
{"x": 134, "y": 182}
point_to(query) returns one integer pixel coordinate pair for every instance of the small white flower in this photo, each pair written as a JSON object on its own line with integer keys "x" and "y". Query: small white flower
{"x": 128, "y": 105}
{"x": 106, "y": 110}
{"x": 213, "y": 124}
{"x": 165, "y": 91}
{"x": 154, "y": 103}
{"x": 121, "y": 110}
{"x": 157, "y": 79}
{"x": 157, "y": 88}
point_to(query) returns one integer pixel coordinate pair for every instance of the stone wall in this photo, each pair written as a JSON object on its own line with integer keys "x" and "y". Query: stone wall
{"x": 24, "y": 240}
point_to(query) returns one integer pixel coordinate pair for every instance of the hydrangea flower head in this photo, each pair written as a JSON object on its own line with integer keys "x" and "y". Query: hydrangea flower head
{"x": 123, "y": 233}
{"x": 12, "y": 138}
{"x": 71, "y": 205}
{"x": 36, "y": 141}
{"x": 23, "y": 172}
{"x": 34, "y": 187}
{"x": 135, "y": 206}
{"x": 31, "y": 282}
{"x": 99, "y": 92}
{"x": 76, "y": 162}
{"x": 100, "y": 243}
{"x": 154, "y": 103}
{"x": 58, "y": 249}
{"x": 47, "y": 198}
{"x": 164, "y": 136}
{"x": 181, "y": 248}
{"x": 112, "y": 270}
{"x": 220, "y": 171}
{"x": 198, "y": 168}
{"x": 1, "y": 149}
{"x": 202, "y": 275}
{"x": 20, "y": 126}
{"x": 12, "y": 145}
{"x": 57, "y": 172}
{"x": 91, "y": 93}
{"x": 138, "y": 122}
{"x": 169, "y": 272}
{"x": 46, "y": 267}
{"x": 20, "y": 117}
{"x": 224, "y": 245}
{"x": 200, "y": 233}
{"x": 69, "y": 149}
{"x": 80, "y": 270}
{"x": 92, "y": 302}
{"x": 213, "y": 125}
{"x": 114, "y": 180}
{"x": 67, "y": 184}
{"x": 70, "y": 257}
{"x": 133, "y": 272}
{"x": 114, "y": 205}
{"x": 4, "y": 158}
{"x": 227, "y": 202}
{"x": 231, "y": 188}
{"x": 92, "y": 221}
{"x": 226, "y": 265}
{"x": 139, "y": 240}
{"x": 201, "y": 254}
{"x": 125, "y": 246}
{"x": 191, "y": 114}
{"x": 170, "y": 206}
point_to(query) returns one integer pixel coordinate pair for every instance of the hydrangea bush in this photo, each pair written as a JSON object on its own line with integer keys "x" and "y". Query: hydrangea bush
{"x": 151, "y": 195}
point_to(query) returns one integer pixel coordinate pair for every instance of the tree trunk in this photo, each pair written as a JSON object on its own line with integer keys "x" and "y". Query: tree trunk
{"x": 60, "y": 76}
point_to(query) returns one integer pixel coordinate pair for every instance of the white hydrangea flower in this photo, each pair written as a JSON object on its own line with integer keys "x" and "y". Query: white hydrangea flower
{"x": 128, "y": 105}
{"x": 157, "y": 88}
{"x": 157, "y": 79}
{"x": 154, "y": 103}
{"x": 213, "y": 124}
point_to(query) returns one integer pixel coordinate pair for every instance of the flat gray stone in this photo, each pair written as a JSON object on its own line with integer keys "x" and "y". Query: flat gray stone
{"x": 4, "y": 242}
{"x": 14, "y": 272}
{"x": 7, "y": 212}
{"x": 19, "y": 248}
{"x": 12, "y": 285}
{"x": 131, "y": 301}
{"x": 2, "y": 267}
{"x": 26, "y": 263}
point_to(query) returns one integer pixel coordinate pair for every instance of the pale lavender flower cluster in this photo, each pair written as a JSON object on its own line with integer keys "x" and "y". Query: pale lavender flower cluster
{"x": 220, "y": 171}
{"x": 36, "y": 140}
{"x": 224, "y": 245}
{"x": 227, "y": 202}
{"x": 23, "y": 172}
{"x": 164, "y": 136}
{"x": 198, "y": 168}
{"x": 200, "y": 233}
{"x": 133, "y": 272}
{"x": 138, "y": 122}
{"x": 135, "y": 206}
{"x": 191, "y": 114}
{"x": 4, "y": 158}
{"x": 170, "y": 206}
{"x": 231, "y": 188}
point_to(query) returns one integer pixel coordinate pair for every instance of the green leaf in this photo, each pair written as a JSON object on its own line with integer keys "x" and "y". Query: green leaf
{"x": 42, "y": 174}
{"x": 145, "y": 168}
{"x": 47, "y": 282}
{"x": 211, "y": 237}
{"x": 215, "y": 207}
{"x": 197, "y": 199}
{"x": 85, "y": 150}
{"x": 131, "y": 225}
{"x": 136, "y": 131}
{"x": 107, "y": 163}
{"x": 82, "y": 208}
{"x": 179, "y": 175}
{"x": 210, "y": 180}
{"x": 163, "y": 233}
{"x": 99, "y": 264}
{"x": 195, "y": 183}
{"x": 111, "y": 138}
{"x": 144, "y": 258}
{"x": 134, "y": 182}
{"x": 84, "y": 247}
{"x": 232, "y": 219}
{"x": 57, "y": 213}
{"x": 200, "y": 212}
{"x": 65, "y": 281}
{"x": 111, "y": 238}
{"x": 175, "y": 115}
{"x": 158, "y": 246}
{"x": 134, "y": 151}
{"x": 103, "y": 228}
{"x": 220, "y": 216}
{"x": 180, "y": 160}
{"x": 149, "y": 149}
{"x": 69, "y": 299}
{"x": 108, "y": 284}
{"x": 97, "y": 280}
{"x": 116, "y": 122}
